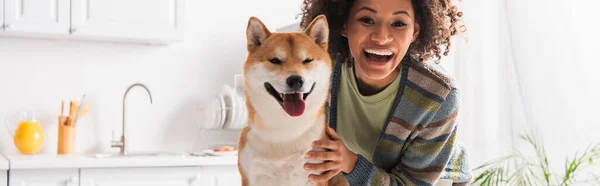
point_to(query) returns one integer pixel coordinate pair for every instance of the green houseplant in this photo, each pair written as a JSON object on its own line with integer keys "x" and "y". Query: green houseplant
{"x": 519, "y": 169}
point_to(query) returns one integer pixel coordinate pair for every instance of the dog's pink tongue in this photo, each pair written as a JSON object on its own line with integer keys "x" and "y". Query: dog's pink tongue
{"x": 293, "y": 104}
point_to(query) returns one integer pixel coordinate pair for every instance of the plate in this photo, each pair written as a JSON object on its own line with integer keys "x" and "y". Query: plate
{"x": 223, "y": 153}
{"x": 243, "y": 112}
{"x": 231, "y": 103}
{"x": 223, "y": 112}
{"x": 239, "y": 111}
{"x": 213, "y": 115}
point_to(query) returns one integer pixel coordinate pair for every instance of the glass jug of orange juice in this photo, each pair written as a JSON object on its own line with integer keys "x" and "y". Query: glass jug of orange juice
{"x": 28, "y": 136}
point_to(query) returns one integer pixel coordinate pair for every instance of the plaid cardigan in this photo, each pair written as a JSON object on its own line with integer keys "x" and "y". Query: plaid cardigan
{"x": 418, "y": 145}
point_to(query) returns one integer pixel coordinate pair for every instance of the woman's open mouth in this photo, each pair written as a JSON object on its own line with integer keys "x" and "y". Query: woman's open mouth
{"x": 292, "y": 103}
{"x": 378, "y": 56}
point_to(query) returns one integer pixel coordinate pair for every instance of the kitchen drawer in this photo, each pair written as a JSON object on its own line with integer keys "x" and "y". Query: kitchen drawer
{"x": 150, "y": 176}
{"x": 221, "y": 176}
{"x": 3, "y": 178}
{"x": 44, "y": 177}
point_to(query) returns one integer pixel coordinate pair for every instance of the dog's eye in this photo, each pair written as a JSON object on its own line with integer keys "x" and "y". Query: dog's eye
{"x": 307, "y": 61}
{"x": 275, "y": 61}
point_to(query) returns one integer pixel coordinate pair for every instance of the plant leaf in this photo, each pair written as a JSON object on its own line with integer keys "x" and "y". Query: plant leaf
{"x": 518, "y": 169}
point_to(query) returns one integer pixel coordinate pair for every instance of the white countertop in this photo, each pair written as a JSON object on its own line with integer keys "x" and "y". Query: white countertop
{"x": 3, "y": 163}
{"x": 87, "y": 161}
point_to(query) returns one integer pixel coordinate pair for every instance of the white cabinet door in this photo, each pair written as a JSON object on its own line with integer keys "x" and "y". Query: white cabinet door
{"x": 3, "y": 178}
{"x": 153, "y": 176}
{"x": 44, "y": 177}
{"x": 221, "y": 176}
{"x": 158, "y": 21}
{"x": 47, "y": 17}
{"x": 1, "y": 16}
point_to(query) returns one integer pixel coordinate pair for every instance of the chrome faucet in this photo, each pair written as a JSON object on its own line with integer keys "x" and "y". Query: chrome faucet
{"x": 121, "y": 144}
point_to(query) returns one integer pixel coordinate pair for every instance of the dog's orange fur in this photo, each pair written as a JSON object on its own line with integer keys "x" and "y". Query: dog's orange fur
{"x": 286, "y": 42}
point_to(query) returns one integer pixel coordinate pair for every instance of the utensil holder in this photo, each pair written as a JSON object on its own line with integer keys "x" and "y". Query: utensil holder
{"x": 66, "y": 137}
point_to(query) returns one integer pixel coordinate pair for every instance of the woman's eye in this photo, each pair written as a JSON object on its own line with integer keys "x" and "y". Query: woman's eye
{"x": 398, "y": 24}
{"x": 366, "y": 20}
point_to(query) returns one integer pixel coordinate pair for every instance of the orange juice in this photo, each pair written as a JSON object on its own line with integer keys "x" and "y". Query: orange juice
{"x": 29, "y": 137}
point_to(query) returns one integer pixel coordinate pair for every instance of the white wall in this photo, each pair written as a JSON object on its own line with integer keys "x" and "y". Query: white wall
{"x": 555, "y": 59}
{"x": 38, "y": 74}
{"x": 521, "y": 69}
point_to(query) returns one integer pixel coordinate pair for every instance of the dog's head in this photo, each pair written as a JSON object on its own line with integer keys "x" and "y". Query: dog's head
{"x": 287, "y": 72}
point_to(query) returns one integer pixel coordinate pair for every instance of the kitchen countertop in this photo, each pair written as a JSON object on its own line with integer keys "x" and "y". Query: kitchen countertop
{"x": 87, "y": 161}
{"x": 3, "y": 163}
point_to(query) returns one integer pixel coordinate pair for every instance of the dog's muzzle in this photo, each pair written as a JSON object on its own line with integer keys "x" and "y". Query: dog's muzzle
{"x": 292, "y": 102}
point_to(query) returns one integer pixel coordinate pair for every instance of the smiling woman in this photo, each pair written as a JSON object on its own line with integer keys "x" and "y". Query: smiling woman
{"x": 392, "y": 115}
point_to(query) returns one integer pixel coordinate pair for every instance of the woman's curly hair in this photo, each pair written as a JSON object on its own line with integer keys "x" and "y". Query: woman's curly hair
{"x": 438, "y": 20}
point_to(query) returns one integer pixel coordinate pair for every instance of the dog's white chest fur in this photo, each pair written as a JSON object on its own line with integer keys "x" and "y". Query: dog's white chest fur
{"x": 269, "y": 164}
{"x": 284, "y": 171}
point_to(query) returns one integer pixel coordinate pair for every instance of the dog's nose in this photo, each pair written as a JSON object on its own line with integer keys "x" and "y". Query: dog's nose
{"x": 295, "y": 82}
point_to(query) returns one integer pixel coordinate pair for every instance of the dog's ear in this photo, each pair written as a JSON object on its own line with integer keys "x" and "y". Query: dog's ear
{"x": 318, "y": 30}
{"x": 256, "y": 33}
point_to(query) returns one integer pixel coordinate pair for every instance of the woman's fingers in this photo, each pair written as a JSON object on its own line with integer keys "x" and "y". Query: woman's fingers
{"x": 322, "y": 167}
{"x": 324, "y": 156}
{"x": 323, "y": 177}
{"x": 333, "y": 134}
{"x": 327, "y": 144}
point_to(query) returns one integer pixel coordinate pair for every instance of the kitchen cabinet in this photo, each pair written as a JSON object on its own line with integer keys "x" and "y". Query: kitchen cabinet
{"x": 3, "y": 168}
{"x": 136, "y": 21}
{"x": 44, "y": 177}
{"x": 3, "y": 178}
{"x": 175, "y": 176}
{"x": 1, "y": 16}
{"x": 85, "y": 170}
{"x": 221, "y": 176}
{"x": 128, "y": 176}
{"x": 34, "y": 17}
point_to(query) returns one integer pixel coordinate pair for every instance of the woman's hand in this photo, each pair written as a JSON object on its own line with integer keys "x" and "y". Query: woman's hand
{"x": 337, "y": 158}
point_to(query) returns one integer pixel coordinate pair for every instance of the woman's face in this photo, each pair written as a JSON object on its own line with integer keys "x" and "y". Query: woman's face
{"x": 379, "y": 33}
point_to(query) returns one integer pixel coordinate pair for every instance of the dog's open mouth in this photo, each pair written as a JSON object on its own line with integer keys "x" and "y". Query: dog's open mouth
{"x": 292, "y": 103}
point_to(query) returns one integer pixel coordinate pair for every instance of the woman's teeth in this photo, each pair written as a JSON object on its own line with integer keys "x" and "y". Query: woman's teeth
{"x": 379, "y": 56}
{"x": 379, "y": 52}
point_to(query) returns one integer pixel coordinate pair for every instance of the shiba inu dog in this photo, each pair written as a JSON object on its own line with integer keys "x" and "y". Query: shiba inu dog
{"x": 287, "y": 78}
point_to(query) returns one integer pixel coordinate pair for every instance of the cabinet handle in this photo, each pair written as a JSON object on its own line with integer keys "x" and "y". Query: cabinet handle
{"x": 195, "y": 180}
{"x": 74, "y": 180}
